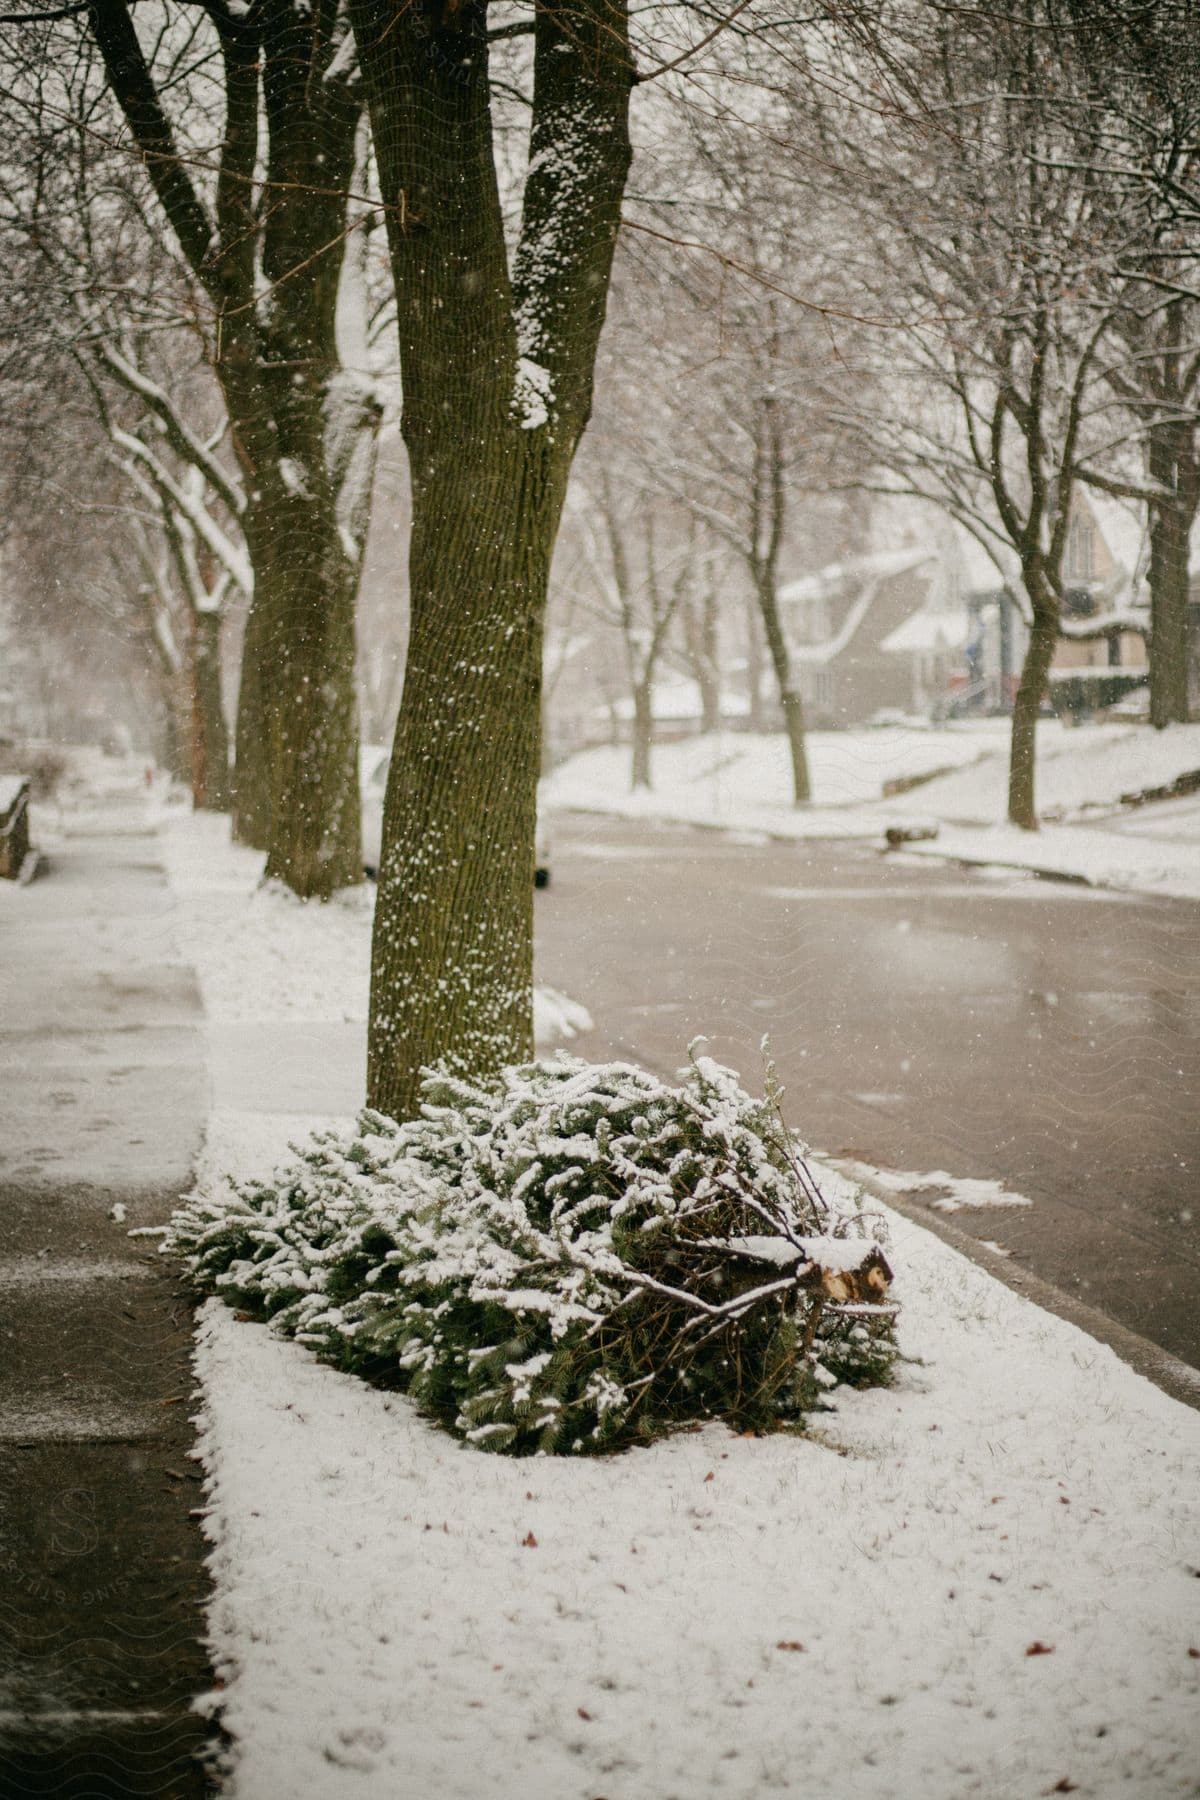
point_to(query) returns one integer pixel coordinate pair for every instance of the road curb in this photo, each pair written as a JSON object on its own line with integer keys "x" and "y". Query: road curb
{"x": 1174, "y": 1377}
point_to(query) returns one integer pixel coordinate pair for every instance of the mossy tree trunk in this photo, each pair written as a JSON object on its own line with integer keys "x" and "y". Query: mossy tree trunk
{"x": 497, "y": 374}
{"x": 296, "y": 782}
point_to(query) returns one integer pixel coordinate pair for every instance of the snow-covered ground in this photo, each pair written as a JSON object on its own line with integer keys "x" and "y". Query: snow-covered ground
{"x": 262, "y": 956}
{"x": 984, "y": 1581}
{"x": 743, "y": 781}
{"x": 981, "y": 1582}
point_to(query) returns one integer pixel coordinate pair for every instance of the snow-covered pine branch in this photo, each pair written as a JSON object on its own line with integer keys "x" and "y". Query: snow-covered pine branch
{"x": 565, "y": 1258}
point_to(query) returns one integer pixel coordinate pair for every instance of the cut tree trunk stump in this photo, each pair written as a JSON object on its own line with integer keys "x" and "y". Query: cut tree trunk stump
{"x": 908, "y": 834}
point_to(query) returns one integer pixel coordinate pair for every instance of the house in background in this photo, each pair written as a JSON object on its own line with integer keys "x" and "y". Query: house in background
{"x": 838, "y": 622}
{"x": 965, "y": 647}
{"x": 1101, "y": 655}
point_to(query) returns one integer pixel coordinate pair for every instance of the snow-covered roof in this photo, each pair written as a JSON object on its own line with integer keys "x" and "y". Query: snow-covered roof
{"x": 928, "y": 630}
{"x": 875, "y": 566}
{"x": 868, "y": 573}
{"x": 10, "y": 787}
{"x": 1123, "y": 528}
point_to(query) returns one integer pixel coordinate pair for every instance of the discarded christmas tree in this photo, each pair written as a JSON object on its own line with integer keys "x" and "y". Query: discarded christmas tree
{"x": 567, "y": 1258}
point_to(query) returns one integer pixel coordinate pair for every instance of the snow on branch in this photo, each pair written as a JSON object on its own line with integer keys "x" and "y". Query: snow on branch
{"x": 181, "y": 439}
{"x": 190, "y": 506}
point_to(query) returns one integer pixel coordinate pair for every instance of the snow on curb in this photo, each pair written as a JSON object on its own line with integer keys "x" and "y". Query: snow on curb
{"x": 1074, "y": 853}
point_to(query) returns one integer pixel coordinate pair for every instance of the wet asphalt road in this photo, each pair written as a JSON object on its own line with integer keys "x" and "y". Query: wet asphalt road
{"x": 922, "y": 1018}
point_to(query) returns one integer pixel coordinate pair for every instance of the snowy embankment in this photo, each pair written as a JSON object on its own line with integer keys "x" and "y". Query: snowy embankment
{"x": 744, "y": 781}
{"x": 983, "y": 1581}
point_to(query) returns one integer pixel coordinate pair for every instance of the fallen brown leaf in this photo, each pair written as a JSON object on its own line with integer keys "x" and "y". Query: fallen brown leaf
{"x": 1037, "y": 1648}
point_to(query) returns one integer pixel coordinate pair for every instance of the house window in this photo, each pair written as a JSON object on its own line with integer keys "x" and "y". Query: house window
{"x": 816, "y": 688}
{"x": 1081, "y": 549}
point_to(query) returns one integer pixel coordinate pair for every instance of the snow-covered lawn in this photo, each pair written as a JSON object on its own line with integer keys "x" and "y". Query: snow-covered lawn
{"x": 743, "y": 781}
{"x": 984, "y": 1581}
{"x": 741, "y": 778}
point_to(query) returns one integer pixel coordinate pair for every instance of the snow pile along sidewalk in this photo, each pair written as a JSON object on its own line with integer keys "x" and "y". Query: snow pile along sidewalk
{"x": 981, "y": 1582}
{"x": 262, "y": 956}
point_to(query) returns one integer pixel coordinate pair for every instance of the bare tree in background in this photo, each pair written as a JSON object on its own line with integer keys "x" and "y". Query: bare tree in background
{"x": 1132, "y": 108}
{"x": 296, "y": 415}
{"x": 1003, "y": 259}
{"x": 641, "y": 592}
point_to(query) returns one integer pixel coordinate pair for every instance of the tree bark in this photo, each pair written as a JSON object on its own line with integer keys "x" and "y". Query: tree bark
{"x": 452, "y": 957}
{"x": 700, "y": 623}
{"x": 252, "y": 768}
{"x": 1031, "y": 691}
{"x": 276, "y": 360}
{"x": 497, "y": 375}
{"x": 643, "y": 734}
{"x": 210, "y": 736}
{"x": 754, "y": 666}
{"x": 790, "y": 698}
{"x": 1174, "y": 466}
{"x": 174, "y": 760}
{"x": 305, "y": 676}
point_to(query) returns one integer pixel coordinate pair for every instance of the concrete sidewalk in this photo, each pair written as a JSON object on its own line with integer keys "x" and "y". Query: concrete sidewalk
{"x": 103, "y": 1094}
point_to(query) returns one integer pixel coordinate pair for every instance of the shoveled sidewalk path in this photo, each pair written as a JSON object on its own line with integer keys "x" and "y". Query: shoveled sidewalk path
{"x": 103, "y": 1091}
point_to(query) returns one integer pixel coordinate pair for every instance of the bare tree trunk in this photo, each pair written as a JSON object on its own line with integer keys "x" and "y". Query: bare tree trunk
{"x": 700, "y": 623}
{"x": 754, "y": 666}
{"x": 1175, "y": 466}
{"x": 789, "y": 688}
{"x": 306, "y": 671}
{"x": 175, "y": 761}
{"x": 497, "y": 367}
{"x": 643, "y": 734}
{"x": 252, "y": 763}
{"x": 210, "y": 736}
{"x": 1031, "y": 691}
{"x": 277, "y": 363}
